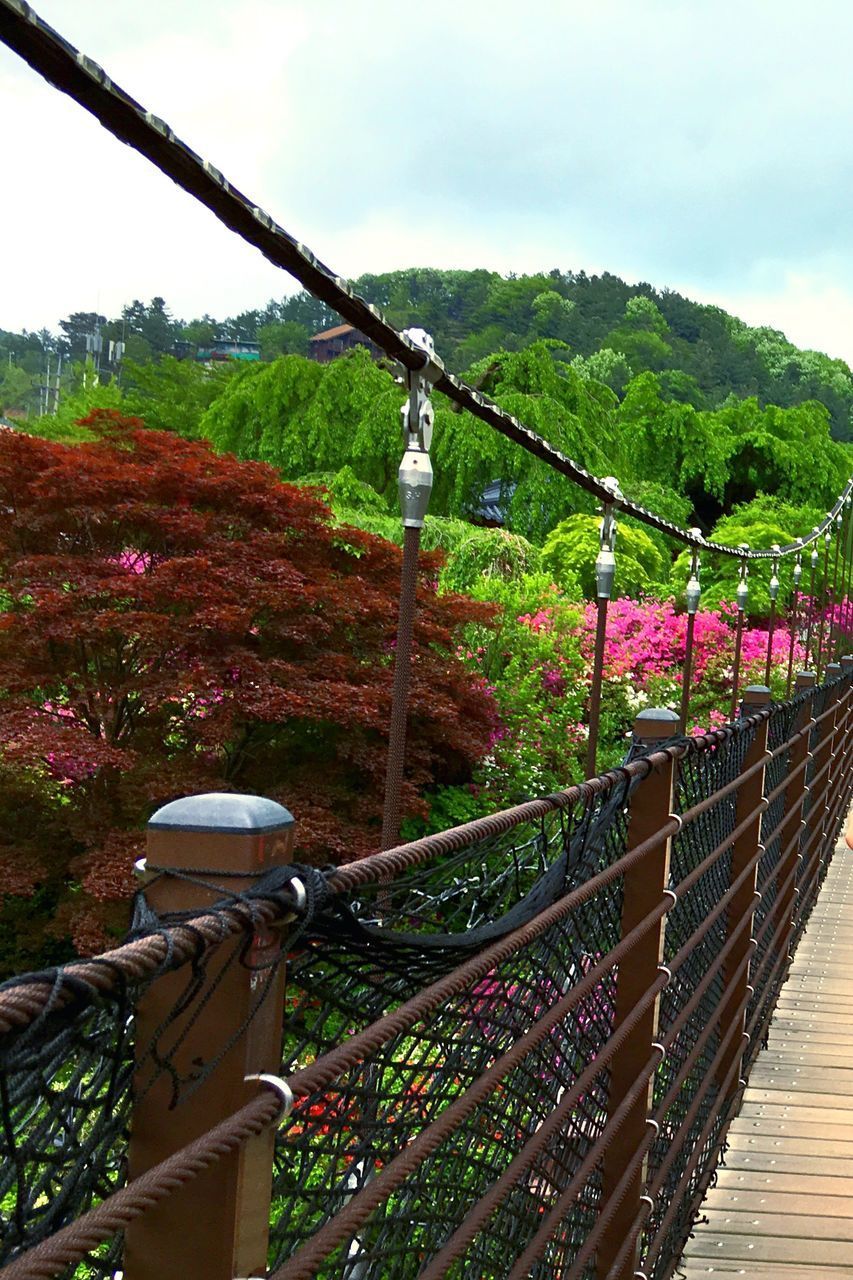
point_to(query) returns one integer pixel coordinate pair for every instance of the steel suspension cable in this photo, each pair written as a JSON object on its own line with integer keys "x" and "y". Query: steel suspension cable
{"x": 72, "y": 72}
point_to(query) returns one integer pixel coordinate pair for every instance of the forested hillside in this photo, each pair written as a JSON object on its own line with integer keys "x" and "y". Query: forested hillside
{"x": 614, "y": 331}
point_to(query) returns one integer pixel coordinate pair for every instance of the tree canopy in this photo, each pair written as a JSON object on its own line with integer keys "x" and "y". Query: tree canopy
{"x": 174, "y": 622}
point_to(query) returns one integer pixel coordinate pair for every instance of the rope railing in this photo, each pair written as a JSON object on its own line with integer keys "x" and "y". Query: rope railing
{"x": 77, "y": 75}
{"x": 512, "y": 1048}
{"x": 509, "y": 1049}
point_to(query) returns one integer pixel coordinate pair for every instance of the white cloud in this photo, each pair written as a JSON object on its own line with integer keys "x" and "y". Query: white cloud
{"x": 693, "y": 145}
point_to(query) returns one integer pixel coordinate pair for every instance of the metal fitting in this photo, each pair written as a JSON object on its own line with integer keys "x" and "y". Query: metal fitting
{"x": 773, "y": 585}
{"x": 693, "y": 589}
{"x": 605, "y": 563}
{"x": 414, "y": 478}
{"x": 815, "y": 553}
{"x": 281, "y": 1087}
{"x": 742, "y": 593}
{"x": 798, "y": 566}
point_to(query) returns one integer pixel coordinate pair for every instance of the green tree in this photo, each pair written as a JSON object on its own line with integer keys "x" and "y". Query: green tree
{"x": 283, "y": 338}
{"x": 760, "y": 524}
{"x": 570, "y": 552}
{"x": 173, "y": 395}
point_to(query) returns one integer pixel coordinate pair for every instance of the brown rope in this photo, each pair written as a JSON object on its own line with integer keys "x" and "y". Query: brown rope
{"x": 72, "y": 1243}
{"x": 22, "y": 1004}
{"x": 304, "y": 1263}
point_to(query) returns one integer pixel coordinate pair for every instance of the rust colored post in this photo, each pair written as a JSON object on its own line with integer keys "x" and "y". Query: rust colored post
{"x": 792, "y": 819}
{"x": 595, "y": 686}
{"x": 400, "y": 690}
{"x": 832, "y": 649}
{"x": 822, "y": 624}
{"x": 687, "y": 672}
{"x": 736, "y": 665}
{"x": 810, "y": 626}
{"x": 770, "y": 633}
{"x": 750, "y": 801}
{"x": 217, "y": 1225}
{"x": 848, "y": 575}
{"x": 792, "y": 639}
{"x": 644, "y": 886}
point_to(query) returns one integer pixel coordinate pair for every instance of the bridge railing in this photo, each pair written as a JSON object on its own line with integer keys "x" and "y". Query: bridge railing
{"x": 509, "y": 1049}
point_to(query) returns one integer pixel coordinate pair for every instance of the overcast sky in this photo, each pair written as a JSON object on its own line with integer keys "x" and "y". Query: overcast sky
{"x": 697, "y": 144}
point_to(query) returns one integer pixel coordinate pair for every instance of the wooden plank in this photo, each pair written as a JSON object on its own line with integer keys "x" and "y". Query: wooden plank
{"x": 839, "y": 1117}
{"x": 783, "y": 1204}
{"x": 755, "y": 1160}
{"x": 781, "y": 1226}
{"x": 793, "y": 1127}
{"x": 790, "y": 1145}
{"x": 797, "y": 1097}
{"x": 719, "y": 1247}
{"x": 738, "y": 1200}
{"x": 815, "y": 1184}
{"x": 807, "y": 1056}
{"x": 691, "y": 1270}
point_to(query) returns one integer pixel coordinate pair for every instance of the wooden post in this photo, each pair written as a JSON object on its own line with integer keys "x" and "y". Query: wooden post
{"x": 217, "y": 1226}
{"x": 644, "y": 885}
{"x": 792, "y": 819}
{"x": 750, "y": 796}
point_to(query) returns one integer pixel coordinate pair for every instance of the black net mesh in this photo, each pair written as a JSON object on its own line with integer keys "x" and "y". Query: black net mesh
{"x": 767, "y": 967}
{"x": 342, "y": 1139}
{"x": 698, "y": 777}
{"x": 497, "y": 1086}
{"x": 65, "y": 1093}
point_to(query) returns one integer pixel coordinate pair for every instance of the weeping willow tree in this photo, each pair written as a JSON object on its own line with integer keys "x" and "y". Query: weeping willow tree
{"x": 306, "y": 419}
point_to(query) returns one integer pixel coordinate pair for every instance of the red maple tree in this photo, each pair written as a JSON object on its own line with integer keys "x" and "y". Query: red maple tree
{"x": 173, "y": 621}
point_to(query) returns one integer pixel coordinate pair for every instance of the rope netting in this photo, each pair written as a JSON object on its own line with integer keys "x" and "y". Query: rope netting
{"x": 450, "y": 1025}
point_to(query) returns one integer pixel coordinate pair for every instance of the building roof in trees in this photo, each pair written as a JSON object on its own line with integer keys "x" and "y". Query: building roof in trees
{"x": 337, "y": 332}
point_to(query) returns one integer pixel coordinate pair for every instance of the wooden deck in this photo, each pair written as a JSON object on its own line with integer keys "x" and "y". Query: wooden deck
{"x": 783, "y": 1205}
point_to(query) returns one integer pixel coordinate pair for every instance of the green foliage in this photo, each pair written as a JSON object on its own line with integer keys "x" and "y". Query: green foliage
{"x": 553, "y": 399}
{"x": 440, "y": 533}
{"x": 63, "y": 425}
{"x": 570, "y": 551}
{"x": 283, "y": 338}
{"x": 304, "y": 417}
{"x": 345, "y": 492}
{"x": 664, "y": 502}
{"x": 606, "y": 366}
{"x": 16, "y": 387}
{"x": 489, "y": 554}
{"x": 760, "y": 524}
{"x": 173, "y": 395}
{"x": 543, "y": 738}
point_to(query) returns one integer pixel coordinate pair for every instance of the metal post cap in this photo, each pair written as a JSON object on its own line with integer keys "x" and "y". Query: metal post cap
{"x": 805, "y": 679}
{"x": 833, "y": 669}
{"x": 222, "y": 812}
{"x": 655, "y": 723}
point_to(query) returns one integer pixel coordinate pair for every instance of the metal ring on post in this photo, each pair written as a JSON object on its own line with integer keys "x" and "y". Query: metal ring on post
{"x": 670, "y": 893}
{"x": 281, "y": 1087}
{"x": 300, "y": 894}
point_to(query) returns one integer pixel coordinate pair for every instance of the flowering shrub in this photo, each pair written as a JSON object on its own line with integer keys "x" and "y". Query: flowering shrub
{"x": 538, "y": 665}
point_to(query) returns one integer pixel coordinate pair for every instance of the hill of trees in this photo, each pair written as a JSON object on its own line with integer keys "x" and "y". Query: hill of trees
{"x": 701, "y": 355}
